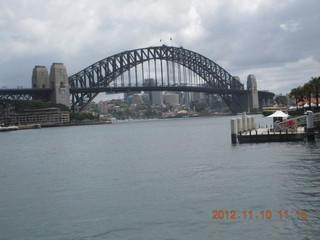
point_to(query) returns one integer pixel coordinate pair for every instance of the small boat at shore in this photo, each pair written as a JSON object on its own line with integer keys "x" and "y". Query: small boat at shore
{"x": 9, "y": 128}
{"x": 268, "y": 110}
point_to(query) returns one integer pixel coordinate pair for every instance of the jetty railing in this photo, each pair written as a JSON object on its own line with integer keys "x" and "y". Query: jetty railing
{"x": 294, "y": 123}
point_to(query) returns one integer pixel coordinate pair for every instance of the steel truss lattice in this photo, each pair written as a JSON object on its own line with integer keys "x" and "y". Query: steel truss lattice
{"x": 107, "y": 75}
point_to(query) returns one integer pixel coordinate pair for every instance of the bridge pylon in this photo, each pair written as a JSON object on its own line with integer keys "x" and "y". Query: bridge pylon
{"x": 253, "y": 98}
{"x": 40, "y": 77}
{"x": 59, "y": 83}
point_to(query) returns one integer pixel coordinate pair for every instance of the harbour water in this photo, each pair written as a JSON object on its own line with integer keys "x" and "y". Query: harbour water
{"x": 156, "y": 180}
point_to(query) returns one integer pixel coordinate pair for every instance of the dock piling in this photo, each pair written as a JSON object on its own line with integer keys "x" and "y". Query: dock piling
{"x": 254, "y": 126}
{"x": 233, "y": 122}
{"x": 249, "y": 124}
{"x": 239, "y": 124}
{"x": 310, "y": 126}
{"x": 244, "y": 122}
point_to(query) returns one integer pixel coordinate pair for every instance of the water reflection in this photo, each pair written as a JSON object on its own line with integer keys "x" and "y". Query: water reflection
{"x": 302, "y": 185}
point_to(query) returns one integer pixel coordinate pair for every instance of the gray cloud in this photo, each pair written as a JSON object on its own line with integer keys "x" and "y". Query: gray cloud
{"x": 278, "y": 41}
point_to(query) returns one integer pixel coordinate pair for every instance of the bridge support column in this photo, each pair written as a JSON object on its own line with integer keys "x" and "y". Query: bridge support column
{"x": 310, "y": 126}
{"x": 40, "y": 79}
{"x": 59, "y": 82}
{"x": 253, "y": 100}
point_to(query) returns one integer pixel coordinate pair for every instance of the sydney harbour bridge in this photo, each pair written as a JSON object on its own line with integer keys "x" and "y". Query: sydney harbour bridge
{"x": 173, "y": 69}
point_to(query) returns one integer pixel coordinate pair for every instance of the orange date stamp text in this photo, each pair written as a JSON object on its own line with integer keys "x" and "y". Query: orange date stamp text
{"x": 264, "y": 214}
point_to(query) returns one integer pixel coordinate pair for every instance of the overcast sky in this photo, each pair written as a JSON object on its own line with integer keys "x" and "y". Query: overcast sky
{"x": 276, "y": 40}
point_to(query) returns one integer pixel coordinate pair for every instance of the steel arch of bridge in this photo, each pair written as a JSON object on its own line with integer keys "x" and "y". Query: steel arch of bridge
{"x": 88, "y": 83}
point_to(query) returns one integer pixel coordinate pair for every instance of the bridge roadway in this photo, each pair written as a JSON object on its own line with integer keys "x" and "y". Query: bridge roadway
{"x": 156, "y": 88}
{"x": 111, "y": 89}
{"x": 17, "y": 91}
{"x": 4, "y": 93}
{"x": 44, "y": 93}
{"x": 25, "y": 93}
{"x": 7, "y": 93}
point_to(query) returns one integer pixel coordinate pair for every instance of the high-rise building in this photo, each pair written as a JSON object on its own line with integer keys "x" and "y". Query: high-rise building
{"x": 128, "y": 96}
{"x": 150, "y": 82}
{"x": 171, "y": 98}
{"x": 185, "y": 98}
{"x": 197, "y": 96}
{"x": 157, "y": 97}
{"x": 145, "y": 98}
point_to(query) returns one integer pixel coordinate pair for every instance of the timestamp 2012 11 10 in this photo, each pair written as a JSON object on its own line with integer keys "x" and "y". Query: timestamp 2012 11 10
{"x": 263, "y": 214}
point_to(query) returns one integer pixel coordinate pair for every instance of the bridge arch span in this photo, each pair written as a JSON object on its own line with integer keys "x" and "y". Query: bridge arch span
{"x": 107, "y": 75}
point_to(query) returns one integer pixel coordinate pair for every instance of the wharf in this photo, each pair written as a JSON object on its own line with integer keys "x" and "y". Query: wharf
{"x": 244, "y": 130}
{"x": 265, "y": 135}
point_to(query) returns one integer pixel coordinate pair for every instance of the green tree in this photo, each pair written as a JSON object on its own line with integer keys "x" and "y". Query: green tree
{"x": 282, "y": 100}
{"x": 79, "y": 116}
{"x": 308, "y": 90}
{"x": 199, "y": 106}
{"x": 297, "y": 94}
{"x": 315, "y": 83}
{"x": 123, "y": 105}
{"x": 21, "y": 105}
{"x": 142, "y": 107}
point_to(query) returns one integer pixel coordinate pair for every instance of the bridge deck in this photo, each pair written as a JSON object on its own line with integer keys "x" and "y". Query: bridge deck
{"x": 24, "y": 90}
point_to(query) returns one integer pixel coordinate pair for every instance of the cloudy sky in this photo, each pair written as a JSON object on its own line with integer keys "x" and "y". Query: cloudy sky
{"x": 276, "y": 40}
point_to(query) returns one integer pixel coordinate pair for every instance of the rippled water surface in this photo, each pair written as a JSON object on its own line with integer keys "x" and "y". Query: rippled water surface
{"x": 155, "y": 180}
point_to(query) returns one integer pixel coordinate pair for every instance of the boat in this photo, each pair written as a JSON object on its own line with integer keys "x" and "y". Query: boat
{"x": 9, "y": 128}
{"x": 268, "y": 110}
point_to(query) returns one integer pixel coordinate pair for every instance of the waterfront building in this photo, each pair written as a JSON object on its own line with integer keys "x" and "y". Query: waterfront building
{"x": 38, "y": 116}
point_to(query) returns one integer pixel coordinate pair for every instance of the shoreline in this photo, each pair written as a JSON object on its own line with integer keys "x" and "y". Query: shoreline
{"x": 39, "y": 126}
{"x": 86, "y": 123}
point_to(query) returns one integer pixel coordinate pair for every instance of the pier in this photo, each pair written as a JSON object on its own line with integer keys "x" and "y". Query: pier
{"x": 244, "y": 130}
